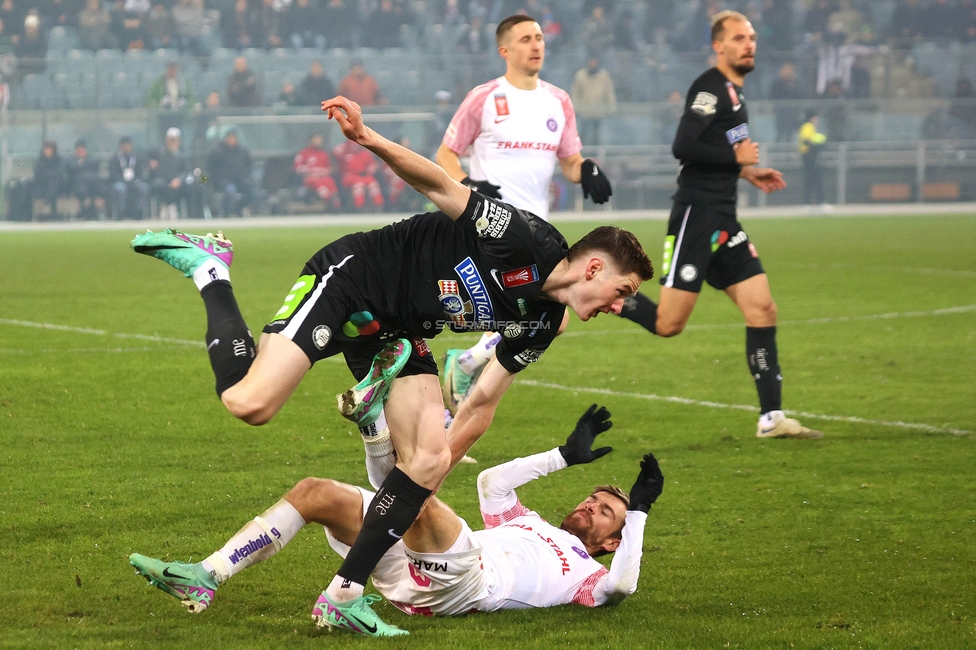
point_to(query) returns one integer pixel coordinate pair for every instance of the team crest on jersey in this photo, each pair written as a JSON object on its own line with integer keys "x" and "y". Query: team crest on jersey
{"x": 704, "y": 104}
{"x": 471, "y": 278}
{"x": 551, "y": 124}
{"x": 501, "y": 105}
{"x": 453, "y": 305}
{"x": 518, "y": 277}
{"x": 733, "y": 95}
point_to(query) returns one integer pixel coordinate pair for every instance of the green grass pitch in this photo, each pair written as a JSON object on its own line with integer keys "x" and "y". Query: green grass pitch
{"x": 117, "y": 444}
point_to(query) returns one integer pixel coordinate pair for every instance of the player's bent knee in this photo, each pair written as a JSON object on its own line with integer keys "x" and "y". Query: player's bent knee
{"x": 247, "y": 408}
{"x": 667, "y": 330}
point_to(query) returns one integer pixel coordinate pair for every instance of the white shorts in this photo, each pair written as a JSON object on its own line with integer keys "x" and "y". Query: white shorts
{"x": 442, "y": 584}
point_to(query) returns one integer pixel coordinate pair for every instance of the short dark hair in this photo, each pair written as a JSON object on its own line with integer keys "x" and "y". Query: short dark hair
{"x": 622, "y": 246}
{"x": 719, "y": 20}
{"x": 508, "y": 23}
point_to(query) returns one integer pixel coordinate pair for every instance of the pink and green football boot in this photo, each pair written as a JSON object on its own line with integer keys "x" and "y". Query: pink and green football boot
{"x": 182, "y": 251}
{"x": 190, "y": 583}
{"x": 356, "y": 616}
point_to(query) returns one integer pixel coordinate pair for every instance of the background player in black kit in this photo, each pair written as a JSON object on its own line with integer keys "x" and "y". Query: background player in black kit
{"x": 477, "y": 264}
{"x": 705, "y": 241}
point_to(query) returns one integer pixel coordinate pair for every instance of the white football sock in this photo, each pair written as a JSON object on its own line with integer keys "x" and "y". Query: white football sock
{"x": 258, "y": 540}
{"x": 380, "y": 454}
{"x": 771, "y": 418}
{"x": 210, "y": 271}
{"x": 479, "y": 354}
{"x": 341, "y": 590}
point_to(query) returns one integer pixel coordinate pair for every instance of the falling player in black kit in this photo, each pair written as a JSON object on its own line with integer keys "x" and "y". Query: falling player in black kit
{"x": 705, "y": 241}
{"x": 478, "y": 264}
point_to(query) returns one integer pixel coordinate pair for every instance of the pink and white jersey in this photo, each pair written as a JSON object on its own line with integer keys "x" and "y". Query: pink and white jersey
{"x": 535, "y": 564}
{"x": 515, "y": 137}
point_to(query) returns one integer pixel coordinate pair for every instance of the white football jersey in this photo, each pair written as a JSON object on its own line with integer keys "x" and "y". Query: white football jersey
{"x": 515, "y": 138}
{"x": 536, "y": 564}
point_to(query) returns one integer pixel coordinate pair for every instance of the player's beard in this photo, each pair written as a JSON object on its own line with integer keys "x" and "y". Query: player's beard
{"x": 744, "y": 68}
{"x": 579, "y": 524}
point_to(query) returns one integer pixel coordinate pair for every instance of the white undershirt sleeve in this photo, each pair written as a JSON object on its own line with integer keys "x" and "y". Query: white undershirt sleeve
{"x": 496, "y": 485}
{"x": 621, "y": 581}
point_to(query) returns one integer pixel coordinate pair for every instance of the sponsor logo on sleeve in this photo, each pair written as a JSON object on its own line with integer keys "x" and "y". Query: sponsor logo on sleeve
{"x": 471, "y": 279}
{"x": 523, "y": 308}
{"x": 321, "y": 336}
{"x": 501, "y": 106}
{"x": 494, "y": 220}
{"x": 519, "y": 277}
{"x": 453, "y": 305}
{"x": 737, "y": 134}
{"x": 525, "y": 357}
{"x": 704, "y": 103}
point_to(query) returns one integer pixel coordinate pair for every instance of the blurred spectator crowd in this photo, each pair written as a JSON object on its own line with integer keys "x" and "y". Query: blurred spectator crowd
{"x": 198, "y": 26}
{"x": 167, "y": 183}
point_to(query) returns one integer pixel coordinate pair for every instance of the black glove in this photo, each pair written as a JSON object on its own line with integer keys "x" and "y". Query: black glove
{"x": 482, "y": 187}
{"x": 577, "y": 448}
{"x": 649, "y": 485}
{"x": 595, "y": 182}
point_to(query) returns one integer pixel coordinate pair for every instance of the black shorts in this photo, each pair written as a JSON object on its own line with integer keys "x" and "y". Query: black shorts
{"x": 706, "y": 245}
{"x": 325, "y": 314}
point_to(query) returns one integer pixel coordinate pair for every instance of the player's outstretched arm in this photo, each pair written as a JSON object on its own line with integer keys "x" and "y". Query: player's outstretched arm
{"x": 496, "y": 485}
{"x": 421, "y": 174}
{"x": 621, "y": 581}
{"x": 477, "y": 411}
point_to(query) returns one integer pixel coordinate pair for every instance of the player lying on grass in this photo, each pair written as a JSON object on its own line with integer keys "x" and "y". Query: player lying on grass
{"x": 441, "y": 567}
{"x": 479, "y": 264}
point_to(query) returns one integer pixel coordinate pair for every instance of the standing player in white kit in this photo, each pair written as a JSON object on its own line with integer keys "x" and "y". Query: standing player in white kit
{"x": 516, "y": 128}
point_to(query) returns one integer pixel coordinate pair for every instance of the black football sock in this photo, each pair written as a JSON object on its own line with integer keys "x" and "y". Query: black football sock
{"x": 764, "y": 365}
{"x": 229, "y": 342}
{"x": 642, "y": 310}
{"x": 392, "y": 511}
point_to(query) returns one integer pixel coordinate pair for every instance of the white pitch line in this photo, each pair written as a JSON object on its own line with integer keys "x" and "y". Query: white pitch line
{"x": 810, "y": 321}
{"x": 742, "y": 407}
{"x": 86, "y": 330}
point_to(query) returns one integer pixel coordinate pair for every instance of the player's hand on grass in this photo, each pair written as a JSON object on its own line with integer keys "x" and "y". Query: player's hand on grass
{"x": 765, "y": 178}
{"x": 349, "y": 115}
{"x": 577, "y": 449}
{"x": 746, "y": 152}
{"x": 649, "y": 484}
{"x": 485, "y": 188}
{"x": 595, "y": 183}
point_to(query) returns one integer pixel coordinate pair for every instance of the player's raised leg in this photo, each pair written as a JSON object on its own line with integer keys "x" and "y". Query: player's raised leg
{"x": 253, "y": 381}
{"x": 754, "y": 298}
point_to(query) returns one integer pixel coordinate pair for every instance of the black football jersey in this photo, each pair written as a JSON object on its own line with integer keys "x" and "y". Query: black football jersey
{"x": 483, "y": 272}
{"x": 714, "y": 120}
